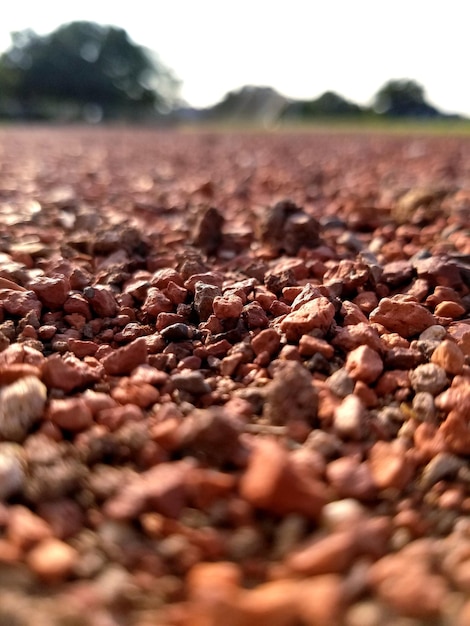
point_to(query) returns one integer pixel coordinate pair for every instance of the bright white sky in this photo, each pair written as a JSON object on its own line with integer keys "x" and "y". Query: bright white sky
{"x": 300, "y": 47}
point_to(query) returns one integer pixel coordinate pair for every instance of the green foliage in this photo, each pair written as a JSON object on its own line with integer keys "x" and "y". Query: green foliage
{"x": 83, "y": 69}
{"x": 259, "y": 104}
{"x": 403, "y": 98}
{"x": 328, "y": 104}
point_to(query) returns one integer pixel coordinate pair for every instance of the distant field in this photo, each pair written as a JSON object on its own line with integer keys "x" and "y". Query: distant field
{"x": 335, "y": 125}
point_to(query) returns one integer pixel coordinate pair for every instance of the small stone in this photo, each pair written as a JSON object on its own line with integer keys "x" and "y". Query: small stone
{"x": 211, "y": 435}
{"x": 463, "y": 618}
{"x": 456, "y": 397}
{"x": 290, "y": 395}
{"x": 52, "y": 292}
{"x": 191, "y": 381}
{"x": 406, "y": 583}
{"x": 373, "y": 536}
{"x": 125, "y": 359}
{"x": 209, "y": 582}
{"x": 397, "y": 272}
{"x": 205, "y": 277}
{"x": 207, "y": 486}
{"x": 449, "y": 356}
{"x": 204, "y": 295}
{"x": 163, "y": 277}
{"x": 9, "y": 284}
{"x": 52, "y": 560}
{"x": 443, "y": 466}
{"x": 64, "y": 516}
{"x": 364, "y": 364}
{"x": 267, "y": 340}
{"x": 407, "y": 318}
{"x": 350, "y": 337}
{"x": 454, "y": 429}
{"x": 287, "y": 227}
{"x": 137, "y": 288}
{"x": 102, "y": 300}
{"x": 366, "y": 301}
{"x": 254, "y": 316}
{"x": 70, "y": 413}
{"x": 81, "y": 348}
{"x": 317, "y": 313}
{"x": 245, "y": 542}
{"x": 308, "y": 346}
{"x": 330, "y": 554}
{"x": 450, "y": 309}
{"x": 77, "y": 303}
{"x": 367, "y": 395}
{"x": 392, "y": 380}
{"x": 288, "y": 533}
{"x": 394, "y": 340}
{"x": 439, "y": 271}
{"x": 342, "y": 514}
{"x": 4, "y": 341}
{"x": 156, "y": 302}
{"x": 20, "y": 353}
{"x": 116, "y": 416}
{"x": 218, "y": 348}
{"x": 367, "y": 613}
{"x": 227, "y": 307}
{"x": 273, "y": 602}
{"x": 340, "y": 383}
{"x": 142, "y": 394}
{"x": 208, "y": 235}
{"x": 14, "y": 371}
{"x": 12, "y": 470}
{"x": 20, "y": 303}
{"x": 175, "y": 293}
{"x": 436, "y": 332}
{"x": 352, "y": 314}
{"x": 424, "y": 407}
{"x": 428, "y": 441}
{"x": 68, "y": 373}
{"x": 350, "y": 478}
{"x": 460, "y": 332}
{"x": 428, "y": 377}
{"x": 284, "y": 489}
{"x": 390, "y": 466}
{"x": 400, "y": 358}
{"x": 21, "y": 405}
{"x": 347, "y": 275}
{"x": 25, "y": 528}
{"x": 300, "y": 295}
{"x": 348, "y": 420}
{"x": 321, "y": 601}
{"x": 161, "y": 489}
{"x": 177, "y": 332}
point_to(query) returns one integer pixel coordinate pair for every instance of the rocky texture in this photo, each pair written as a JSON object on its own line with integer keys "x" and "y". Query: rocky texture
{"x": 233, "y": 390}
{"x": 287, "y": 227}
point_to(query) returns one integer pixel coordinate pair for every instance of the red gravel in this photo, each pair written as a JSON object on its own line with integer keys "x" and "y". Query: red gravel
{"x": 234, "y": 378}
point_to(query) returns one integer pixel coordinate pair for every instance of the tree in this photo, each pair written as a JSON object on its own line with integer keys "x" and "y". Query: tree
{"x": 253, "y": 103}
{"x": 326, "y": 105}
{"x": 84, "y": 69}
{"x": 401, "y": 98}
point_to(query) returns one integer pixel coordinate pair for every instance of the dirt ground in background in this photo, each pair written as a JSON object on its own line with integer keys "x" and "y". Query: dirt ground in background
{"x": 234, "y": 378}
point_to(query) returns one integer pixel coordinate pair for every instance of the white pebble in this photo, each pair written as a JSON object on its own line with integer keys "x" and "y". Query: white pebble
{"x": 21, "y": 405}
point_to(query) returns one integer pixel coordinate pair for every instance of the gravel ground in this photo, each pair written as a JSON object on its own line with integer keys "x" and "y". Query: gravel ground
{"x": 234, "y": 379}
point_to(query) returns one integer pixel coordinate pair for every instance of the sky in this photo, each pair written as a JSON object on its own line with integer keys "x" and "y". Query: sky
{"x": 301, "y": 48}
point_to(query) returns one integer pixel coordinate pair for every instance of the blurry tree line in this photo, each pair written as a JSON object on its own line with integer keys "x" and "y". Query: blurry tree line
{"x": 85, "y": 71}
